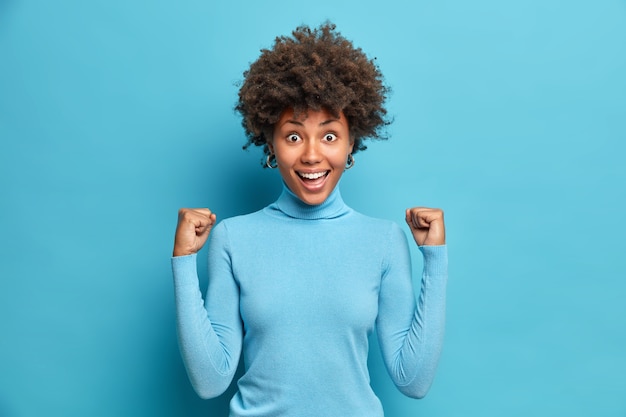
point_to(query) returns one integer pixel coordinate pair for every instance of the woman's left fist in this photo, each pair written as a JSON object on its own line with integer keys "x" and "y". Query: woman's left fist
{"x": 427, "y": 226}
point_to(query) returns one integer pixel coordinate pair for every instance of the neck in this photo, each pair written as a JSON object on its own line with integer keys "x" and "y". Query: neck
{"x": 292, "y": 206}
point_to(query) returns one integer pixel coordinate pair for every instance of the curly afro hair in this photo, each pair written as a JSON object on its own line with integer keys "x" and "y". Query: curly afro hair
{"x": 314, "y": 69}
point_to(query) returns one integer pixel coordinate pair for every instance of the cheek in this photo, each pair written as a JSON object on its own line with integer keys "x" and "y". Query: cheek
{"x": 340, "y": 158}
{"x": 286, "y": 159}
{"x": 283, "y": 157}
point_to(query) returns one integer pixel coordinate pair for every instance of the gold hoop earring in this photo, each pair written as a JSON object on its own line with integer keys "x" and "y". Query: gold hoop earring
{"x": 349, "y": 162}
{"x": 268, "y": 161}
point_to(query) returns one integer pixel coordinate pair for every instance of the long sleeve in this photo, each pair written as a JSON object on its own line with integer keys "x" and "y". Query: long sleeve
{"x": 309, "y": 284}
{"x": 209, "y": 330}
{"x": 410, "y": 333}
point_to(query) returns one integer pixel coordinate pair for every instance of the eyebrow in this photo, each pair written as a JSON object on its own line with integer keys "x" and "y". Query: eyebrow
{"x": 324, "y": 123}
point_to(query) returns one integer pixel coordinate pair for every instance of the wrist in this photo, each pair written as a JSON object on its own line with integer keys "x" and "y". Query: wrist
{"x": 181, "y": 252}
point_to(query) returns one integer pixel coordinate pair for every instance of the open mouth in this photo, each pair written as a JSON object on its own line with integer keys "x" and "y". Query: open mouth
{"x": 312, "y": 176}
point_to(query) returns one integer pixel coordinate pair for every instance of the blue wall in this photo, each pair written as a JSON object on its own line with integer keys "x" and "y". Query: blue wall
{"x": 509, "y": 115}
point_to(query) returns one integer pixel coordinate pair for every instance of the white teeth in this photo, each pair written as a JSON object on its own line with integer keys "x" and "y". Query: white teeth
{"x": 312, "y": 175}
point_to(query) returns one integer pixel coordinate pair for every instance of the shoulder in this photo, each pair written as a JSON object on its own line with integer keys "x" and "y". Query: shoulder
{"x": 242, "y": 219}
{"x": 387, "y": 231}
{"x": 229, "y": 232}
{"x": 242, "y": 225}
{"x": 374, "y": 221}
{"x": 386, "y": 240}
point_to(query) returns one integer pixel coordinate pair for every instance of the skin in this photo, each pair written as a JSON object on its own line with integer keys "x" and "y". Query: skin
{"x": 315, "y": 145}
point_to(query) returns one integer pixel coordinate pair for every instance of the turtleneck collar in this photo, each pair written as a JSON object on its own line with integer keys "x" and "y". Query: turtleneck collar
{"x": 289, "y": 204}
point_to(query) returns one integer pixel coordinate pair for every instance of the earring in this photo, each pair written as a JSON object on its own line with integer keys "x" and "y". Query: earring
{"x": 350, "y": 162}
{"x": 268, "y": 161}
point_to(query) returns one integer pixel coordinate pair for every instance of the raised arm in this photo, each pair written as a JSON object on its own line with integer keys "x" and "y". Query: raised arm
{"x": 209, "y": 330}
{"x": 411, "y": 333}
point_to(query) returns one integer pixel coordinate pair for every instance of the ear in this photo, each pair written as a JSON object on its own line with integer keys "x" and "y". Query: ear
{"x": 270, "y": 146}
{"x": 351, "y": 147}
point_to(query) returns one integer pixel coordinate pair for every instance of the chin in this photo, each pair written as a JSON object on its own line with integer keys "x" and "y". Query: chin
{"x": 312, "y": 199}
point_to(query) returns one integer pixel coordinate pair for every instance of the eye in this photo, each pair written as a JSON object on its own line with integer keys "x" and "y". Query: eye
{"x": 330, "y": 137}
{"x": 293, "y": 138}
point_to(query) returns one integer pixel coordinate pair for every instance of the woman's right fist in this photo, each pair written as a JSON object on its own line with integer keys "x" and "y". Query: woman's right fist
{"x": 192, "y": 231}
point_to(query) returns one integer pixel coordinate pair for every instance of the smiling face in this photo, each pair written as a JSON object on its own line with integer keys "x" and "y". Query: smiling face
{"x": 311, "y": 152}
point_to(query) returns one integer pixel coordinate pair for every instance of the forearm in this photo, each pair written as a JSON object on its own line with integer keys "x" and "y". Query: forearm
{"x": 209, "y": 366}
{"x": 422, "y": 348}
{"x": 411, "y": 333}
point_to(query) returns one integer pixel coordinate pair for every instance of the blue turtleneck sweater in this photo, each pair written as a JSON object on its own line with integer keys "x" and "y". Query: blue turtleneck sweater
{"x": 300, "y": 288}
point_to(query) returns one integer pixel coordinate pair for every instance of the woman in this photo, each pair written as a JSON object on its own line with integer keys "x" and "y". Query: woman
{"x": 300, "y": 284}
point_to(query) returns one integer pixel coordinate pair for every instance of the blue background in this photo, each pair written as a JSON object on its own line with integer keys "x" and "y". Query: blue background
{"x": 509, "y": 115}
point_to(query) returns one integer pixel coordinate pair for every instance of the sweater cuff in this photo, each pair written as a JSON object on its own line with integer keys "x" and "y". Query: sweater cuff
{"x": 185, "y": 270}
{"x": 435, "y": 260}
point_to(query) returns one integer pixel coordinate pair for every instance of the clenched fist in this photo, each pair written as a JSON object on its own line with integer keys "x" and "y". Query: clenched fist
{"x": 426, "y": 225}
{"x": 192, "y": 231}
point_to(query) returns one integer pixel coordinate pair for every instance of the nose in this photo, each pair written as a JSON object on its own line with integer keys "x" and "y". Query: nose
{"x": 311, "y": 152}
